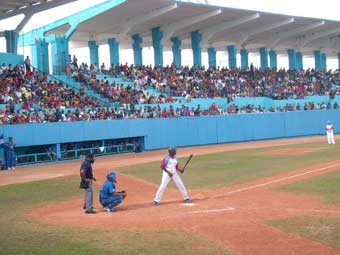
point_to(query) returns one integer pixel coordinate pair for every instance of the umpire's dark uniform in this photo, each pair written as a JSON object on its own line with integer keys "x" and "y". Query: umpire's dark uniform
{"x": 87, "y": 177}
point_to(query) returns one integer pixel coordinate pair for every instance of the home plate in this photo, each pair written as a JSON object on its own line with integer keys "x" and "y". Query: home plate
{"x": 188, "y": 204}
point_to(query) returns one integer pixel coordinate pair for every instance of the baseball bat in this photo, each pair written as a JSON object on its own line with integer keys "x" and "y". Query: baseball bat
{"x": 190, "y": 157}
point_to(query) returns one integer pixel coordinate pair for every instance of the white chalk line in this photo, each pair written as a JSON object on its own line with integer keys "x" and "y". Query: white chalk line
{"x": 265, "y": 184}
{"x": 280, "y": 179}
{"x": 258, "y": 186}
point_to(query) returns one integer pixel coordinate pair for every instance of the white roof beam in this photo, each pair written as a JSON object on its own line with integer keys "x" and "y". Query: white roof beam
{"x": 320, "y": 35}
{"x": 294, "y": 32}
{"x": 221, "y": 44}
{"x": 209, "y": 33}
{"x": 171, "y": 29}
{"x": 23, "y": 23}
{"x": 327, "y": 43}
{"x": 86, "y": 36}
{"x": 335, "y": 43}
{"x": 141, "y": 19}
{"x": 264, "y": 29}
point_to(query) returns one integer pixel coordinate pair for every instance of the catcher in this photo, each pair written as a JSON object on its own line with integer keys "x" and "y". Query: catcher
{"x": 108, "y": 196}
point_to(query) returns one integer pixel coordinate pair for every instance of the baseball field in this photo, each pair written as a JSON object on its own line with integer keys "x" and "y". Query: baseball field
{"x": 266, "y": 197}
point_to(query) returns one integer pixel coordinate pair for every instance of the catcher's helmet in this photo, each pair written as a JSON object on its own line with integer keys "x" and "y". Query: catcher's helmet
{"x": 111, "y": 176}
{"x": 172, "y": 151}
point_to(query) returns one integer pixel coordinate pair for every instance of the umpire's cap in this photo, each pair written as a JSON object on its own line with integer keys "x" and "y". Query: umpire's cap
{"x": 172, "y": 151}
{"x": 111, "y": 176}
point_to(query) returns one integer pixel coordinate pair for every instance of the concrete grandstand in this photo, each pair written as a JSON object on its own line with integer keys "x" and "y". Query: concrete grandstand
{"x": 177, "y": 25}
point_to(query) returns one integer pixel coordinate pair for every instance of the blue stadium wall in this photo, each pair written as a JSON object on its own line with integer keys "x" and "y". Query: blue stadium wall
{"x": 10, "y": 58}
{"x": 185, "y": 131}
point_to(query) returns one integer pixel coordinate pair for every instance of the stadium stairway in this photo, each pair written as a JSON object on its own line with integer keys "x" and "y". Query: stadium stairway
{"x": 76, "y": 85}
{"x": 118, "y": 80}
{"x": 126, "y": 82}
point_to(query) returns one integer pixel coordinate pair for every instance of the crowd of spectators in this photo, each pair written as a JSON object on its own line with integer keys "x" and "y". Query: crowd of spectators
{"x": 38, "y": 98}
{"x": 115, "y": 92}
{"x": 208, "y": 83}
{"x": 232, "y": 83}
{"x": 49, "y": 101}
{"x": 104, "y": 113}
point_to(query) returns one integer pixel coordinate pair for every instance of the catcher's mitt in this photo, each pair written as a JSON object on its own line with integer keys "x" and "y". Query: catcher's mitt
{"x": 123, "y": 193}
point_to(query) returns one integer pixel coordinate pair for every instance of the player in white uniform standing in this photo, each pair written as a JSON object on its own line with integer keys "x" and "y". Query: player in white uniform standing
{"x": 330, "y": 133}
{"x": 170, "y": 167}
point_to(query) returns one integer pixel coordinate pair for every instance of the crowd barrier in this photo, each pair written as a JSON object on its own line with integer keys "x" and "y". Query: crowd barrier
{"x": 182, "y": 131}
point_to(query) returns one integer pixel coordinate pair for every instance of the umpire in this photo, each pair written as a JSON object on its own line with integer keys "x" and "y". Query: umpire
{"x": 87, "y": 178}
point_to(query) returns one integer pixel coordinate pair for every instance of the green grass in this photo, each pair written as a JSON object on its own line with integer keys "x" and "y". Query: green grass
{"x": 326, "y": 186}
{"x": 228, "y": 168}
{"x": 325, "y": 230}
{"x": 20, "y": 235}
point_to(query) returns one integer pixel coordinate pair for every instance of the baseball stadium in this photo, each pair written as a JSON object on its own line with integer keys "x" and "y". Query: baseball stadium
{"x": 169, "y": 127}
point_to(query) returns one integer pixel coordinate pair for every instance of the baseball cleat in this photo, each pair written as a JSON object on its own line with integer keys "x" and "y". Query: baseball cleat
{"x": 90, "y": 212}
{"x": 187, "y": 201}
{"x": 155, "y": 203}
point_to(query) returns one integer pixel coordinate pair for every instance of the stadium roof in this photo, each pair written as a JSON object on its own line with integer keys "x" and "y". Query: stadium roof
{"x": 219, "y": 26}
{"x": 11, "y": 8}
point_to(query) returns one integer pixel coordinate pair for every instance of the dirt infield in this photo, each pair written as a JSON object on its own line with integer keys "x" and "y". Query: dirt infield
{"x": 233, "y": 216}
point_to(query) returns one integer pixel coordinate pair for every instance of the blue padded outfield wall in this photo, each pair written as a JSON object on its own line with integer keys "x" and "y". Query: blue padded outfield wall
{"x": 184, "y": 131}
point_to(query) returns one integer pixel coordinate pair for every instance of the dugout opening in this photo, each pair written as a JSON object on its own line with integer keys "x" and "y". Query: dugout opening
{"x": 77, "y": 150}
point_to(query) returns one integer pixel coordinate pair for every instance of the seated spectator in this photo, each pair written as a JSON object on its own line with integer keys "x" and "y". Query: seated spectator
{"x": 51, "y": 154}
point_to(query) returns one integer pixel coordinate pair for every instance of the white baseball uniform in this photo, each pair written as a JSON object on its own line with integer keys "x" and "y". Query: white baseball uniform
{"x": 171, "y": 165}
{"x": 330, "y": 133}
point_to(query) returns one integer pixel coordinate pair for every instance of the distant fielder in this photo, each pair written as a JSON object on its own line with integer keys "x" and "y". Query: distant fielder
{"x": 330, "y": 133}
{"x": 170, "y": 167}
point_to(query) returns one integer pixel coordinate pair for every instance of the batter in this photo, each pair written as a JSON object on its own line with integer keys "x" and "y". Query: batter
{"x": 170, "y": 167}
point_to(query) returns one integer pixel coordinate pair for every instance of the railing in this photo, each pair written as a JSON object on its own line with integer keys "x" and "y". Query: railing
{"x": 34, "y": 158}
{"x": 107, "y": 150}
{"x": 74, "y": 154}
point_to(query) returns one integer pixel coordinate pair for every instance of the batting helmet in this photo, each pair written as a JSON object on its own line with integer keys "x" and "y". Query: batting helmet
{"x": 111, "y": 176}
{"x": 172, "y": 151}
